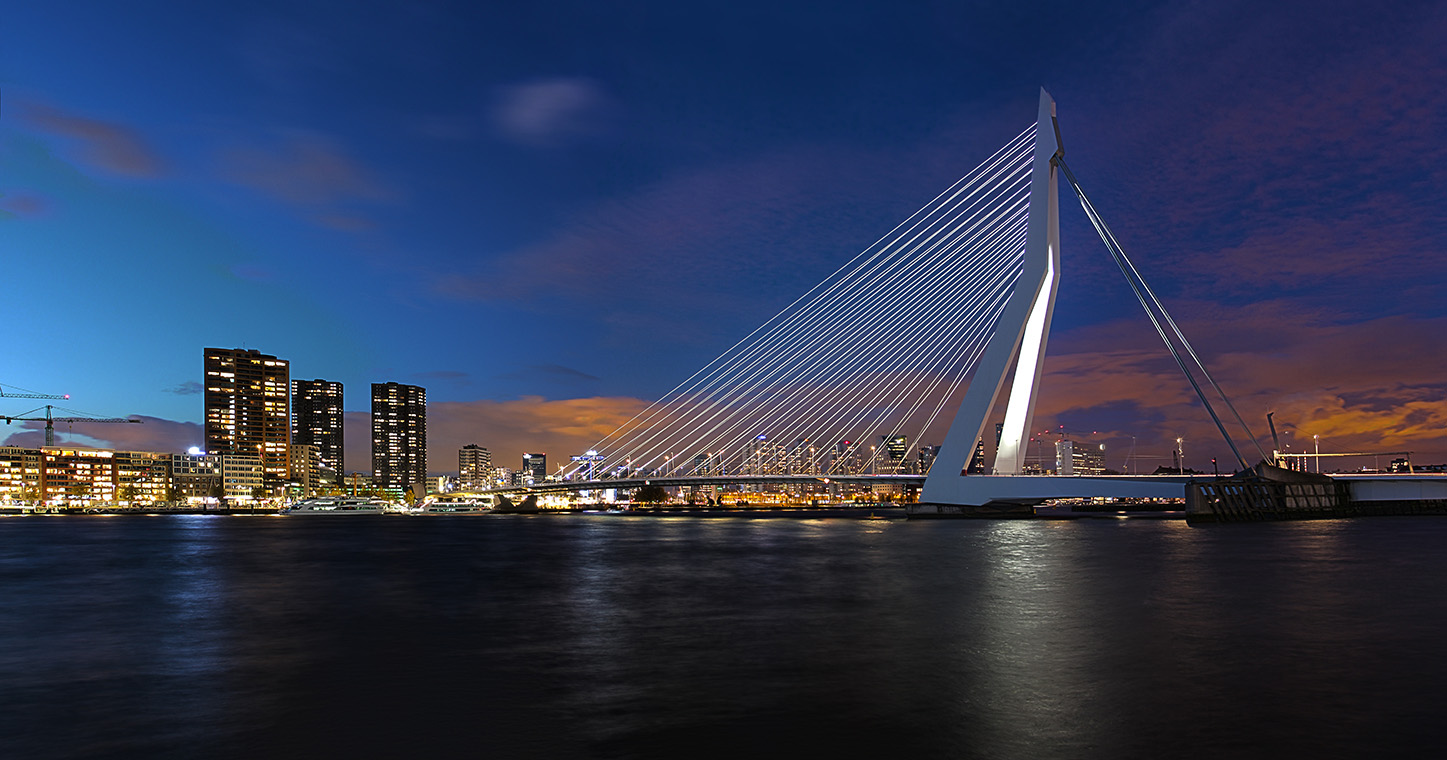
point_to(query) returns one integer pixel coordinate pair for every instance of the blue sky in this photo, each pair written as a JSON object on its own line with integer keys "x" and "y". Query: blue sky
{"x": 548, "y": 214}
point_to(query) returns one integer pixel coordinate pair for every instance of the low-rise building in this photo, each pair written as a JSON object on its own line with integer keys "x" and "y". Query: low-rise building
{"x": 143, "y": 477}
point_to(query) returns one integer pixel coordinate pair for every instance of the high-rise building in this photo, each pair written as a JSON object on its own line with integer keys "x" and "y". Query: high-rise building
{"x": 399, "y": 436}
{"x": 246, "y": 409}
{"x": 474, "y": 467}
{"x": 926, "y": 458}
{"x": 316, "y": 420}
{"x": 535, "y": 467}
{"x": 977, "y": 460}
{"x": 895, "y": 451}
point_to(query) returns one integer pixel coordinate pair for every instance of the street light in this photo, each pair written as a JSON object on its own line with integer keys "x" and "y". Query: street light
{"x": 1180, "y": 456}
{"x": 1316, "y": 439}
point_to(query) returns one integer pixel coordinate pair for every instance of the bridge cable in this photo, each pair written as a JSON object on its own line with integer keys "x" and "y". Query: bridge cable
{"x": 947, "y": 269}
{"x": 1141, "y": 290}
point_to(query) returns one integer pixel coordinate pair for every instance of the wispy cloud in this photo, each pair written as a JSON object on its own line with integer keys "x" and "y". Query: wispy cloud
{"x": 22, "y": 205}
{"x": 305, "y": 169}
{"x": 187, "y": 388}
{"x": 552, "y": 112}
{"x": 106, "y": 145}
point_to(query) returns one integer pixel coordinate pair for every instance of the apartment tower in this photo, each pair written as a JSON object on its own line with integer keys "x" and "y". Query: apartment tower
{"x": 316, "y": 420}
{"x": 399, "y": 435}
{"x": 247, "y": 410}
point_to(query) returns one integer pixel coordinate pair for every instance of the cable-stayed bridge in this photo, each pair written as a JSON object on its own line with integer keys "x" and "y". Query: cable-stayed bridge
{"x": 950, "y": 310}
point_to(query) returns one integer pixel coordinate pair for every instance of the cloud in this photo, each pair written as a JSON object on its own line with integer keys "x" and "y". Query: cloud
{"x": 549, "y": 371}
{"x": 304, "y": 169}
{"x": 772, "y": 218}
{"x": 187, "y": 388}
{"x": 106, "y": 145}
{"x": 1361, "y": 386}
{"x": 153, "y": 434}
{"x": 559, "y": 427}
{"x": 551, "y": 112}
{"x": 13, "y": 206}
{"x": 558, "y": 369}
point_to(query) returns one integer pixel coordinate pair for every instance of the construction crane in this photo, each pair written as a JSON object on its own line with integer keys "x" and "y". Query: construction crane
{"x": 27, "y": 394}
{"x": 50, "y": 420}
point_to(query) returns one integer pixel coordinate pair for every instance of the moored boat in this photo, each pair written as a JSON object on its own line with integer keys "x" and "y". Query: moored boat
{"x": 339, "y": 505}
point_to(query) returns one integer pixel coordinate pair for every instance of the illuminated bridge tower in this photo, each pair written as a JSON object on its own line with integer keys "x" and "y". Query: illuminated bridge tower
{"x": 1019, "y": 337}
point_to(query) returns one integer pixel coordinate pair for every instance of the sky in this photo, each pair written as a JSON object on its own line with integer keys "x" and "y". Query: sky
{"x": 550, "y": 213}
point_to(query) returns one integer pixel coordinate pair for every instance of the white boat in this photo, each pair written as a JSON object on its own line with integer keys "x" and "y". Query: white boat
{"x": 467, "y": 506}
{"x": 339, "y": 505}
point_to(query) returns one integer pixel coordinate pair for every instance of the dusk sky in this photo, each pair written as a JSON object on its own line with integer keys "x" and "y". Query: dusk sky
{"x": 548, "y": 214}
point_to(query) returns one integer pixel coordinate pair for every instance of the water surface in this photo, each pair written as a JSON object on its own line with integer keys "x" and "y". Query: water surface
{"x": 606, "y": 636}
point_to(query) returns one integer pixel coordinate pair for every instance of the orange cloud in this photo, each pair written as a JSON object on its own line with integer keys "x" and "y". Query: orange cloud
{"x": 1363, "y": 386}
{"x": 558, "y": 427}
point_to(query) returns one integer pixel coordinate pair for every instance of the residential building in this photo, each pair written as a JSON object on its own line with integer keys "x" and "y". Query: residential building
{"x": 142, "y": 477}
{"x": 399, "y": 436}
{"x": 474, "y": 467}
{"x": 77, "y": 476}
{"x": 247, "y": 409}
{"x": 316, "y": 420}
{"x": 19, "y": 474}
{"x": 308, "y": 476}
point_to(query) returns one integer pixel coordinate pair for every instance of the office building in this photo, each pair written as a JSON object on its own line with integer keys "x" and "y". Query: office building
{"x": 535, "y": 467}
{"x": 895, "y": 451}
{"x": 399, "y": 436}
{"x": 926, "y": 458}
{"x": 247, "y": 411}
{"x": 196, "y": 477}
{"x": 1074, "y": 458}
{"x": 316, "y": 420}
{"x": 244, "y": 477}
{"x": 474, "y": 467}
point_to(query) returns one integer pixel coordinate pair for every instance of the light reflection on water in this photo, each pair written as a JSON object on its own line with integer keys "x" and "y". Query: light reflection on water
{"x": 608, "y": 636}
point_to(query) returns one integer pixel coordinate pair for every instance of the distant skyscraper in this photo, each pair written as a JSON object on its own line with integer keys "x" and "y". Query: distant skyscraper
{"x": 316, "y": 420}
{"x": 535, "y": 466}
{"x": 399, "y": 435}
{"x": 977, "y": 460}
{"x": 896, "y": 449}
{"x": 474, "y": 467}
{"x": 927, "y": 456}
{"x": 246, "y": 409}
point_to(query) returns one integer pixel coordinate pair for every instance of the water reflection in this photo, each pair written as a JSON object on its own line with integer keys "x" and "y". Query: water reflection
{"x": 610, "y": 636}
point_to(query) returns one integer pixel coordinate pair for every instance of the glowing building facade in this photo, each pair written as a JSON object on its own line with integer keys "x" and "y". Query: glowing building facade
{"x": 247, "y": 409}
{"x": 316, "y": 420}
{"x": 474, "y": 467}
{"x": 399, "y": 436}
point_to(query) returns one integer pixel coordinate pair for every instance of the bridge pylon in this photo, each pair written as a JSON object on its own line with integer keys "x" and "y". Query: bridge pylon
{"x": 1019, "y": 339}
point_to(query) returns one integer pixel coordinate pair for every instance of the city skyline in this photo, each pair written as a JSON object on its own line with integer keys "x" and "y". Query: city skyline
{"x": 547, "y": 225}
